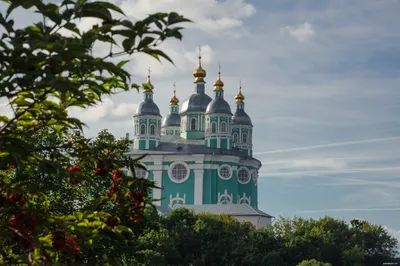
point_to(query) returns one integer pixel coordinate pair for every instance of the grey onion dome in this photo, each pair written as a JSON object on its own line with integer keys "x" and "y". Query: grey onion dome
{"x": 241, "y": 118}
{"x": 148, "y": 107}
{"x": 218, "y": 106}
{"x": 197, "y": 102}
{"x": 171, "y": 120}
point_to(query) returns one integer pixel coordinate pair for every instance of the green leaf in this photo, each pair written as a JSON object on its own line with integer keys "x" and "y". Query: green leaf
{"x": 156, "y": 54}
{"x": 145, "y": 42}
{"x": 122, "y": 63}
{"x": 128, "y": 44}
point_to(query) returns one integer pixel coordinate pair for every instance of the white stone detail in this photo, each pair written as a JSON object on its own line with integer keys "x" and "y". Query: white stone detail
{"x": 255, "y": 177}
{"x": 243, "y": 199}
{"x": 225, "y": 198}
{"x": 176, "y": 201}
{"x": 198, "y": 186}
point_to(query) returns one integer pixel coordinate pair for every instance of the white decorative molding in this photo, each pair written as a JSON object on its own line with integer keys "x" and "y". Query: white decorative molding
{"x": 171, "y": 167}
{"x": 176, "y": 201}
{"x": 225, "y": 198}
{"x": 243, "y": 199}
{"x": 255, "y": 176}
{"x": 229, "y": 169}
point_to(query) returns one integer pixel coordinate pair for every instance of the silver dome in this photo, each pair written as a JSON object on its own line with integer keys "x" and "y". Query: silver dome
{"x": 218, "y": 106}
{"x": 171, "y": 120}
{"x": 195, "y": 103}
{"x": 241, "y": 118}
{"x": 147, "y": 107}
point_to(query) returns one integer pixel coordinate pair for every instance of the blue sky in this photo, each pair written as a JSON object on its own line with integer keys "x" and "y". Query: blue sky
{"x": 322, "y": 76}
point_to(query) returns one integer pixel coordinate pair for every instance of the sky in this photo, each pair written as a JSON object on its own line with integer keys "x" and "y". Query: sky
{"x": 321, "y": 85}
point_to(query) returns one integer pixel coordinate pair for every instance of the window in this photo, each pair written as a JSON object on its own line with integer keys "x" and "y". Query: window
{"x": 213, "y": 127}
{"x": 143, "y": 129}
{"x": 225, "y": 172}
{"x": 235, "y": 137}
{"x": 193, "y": 124}
{"x": 152, "y": 130}
{"x": 223, "y": 127}
{"x": 243, "y": 175}
{"x": 244, "y": 138}
{"x": 178, "y": 172}
{"x": 140, "y": 173}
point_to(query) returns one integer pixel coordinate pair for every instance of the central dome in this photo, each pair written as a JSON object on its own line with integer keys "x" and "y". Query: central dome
{"x": 195, "y": 103}
{"x": 147, "y": 108}
{"x": 171, "y": 120}
{"x": 218, "y": 106}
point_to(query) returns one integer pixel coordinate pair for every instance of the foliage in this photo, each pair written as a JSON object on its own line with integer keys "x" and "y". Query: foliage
{"x": 185, "y": 238}
{"x": 313, "y": 262}
{"x": 64, "y": 198}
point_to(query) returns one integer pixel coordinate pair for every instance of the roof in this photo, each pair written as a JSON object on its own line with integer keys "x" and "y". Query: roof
{"x": 195, "y": 103}
{"x": 163, "y": 210}
{"x": 178, "y": 145}
{"x": 229, "y": 209}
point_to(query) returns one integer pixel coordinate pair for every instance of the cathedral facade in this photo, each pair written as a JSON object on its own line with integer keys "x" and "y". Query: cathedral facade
{"x": 201, "y": 152}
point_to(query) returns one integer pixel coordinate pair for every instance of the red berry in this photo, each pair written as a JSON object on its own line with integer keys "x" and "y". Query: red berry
{"x": 101, "y": 171}
{"x": 112, "y": 190}
{"x": 137, "y": 197}
{"x": 13, "y": 164}
{"x": 75, "y": 168}
{"x": 117, "y": 174}
{"x": 16, "y": 198}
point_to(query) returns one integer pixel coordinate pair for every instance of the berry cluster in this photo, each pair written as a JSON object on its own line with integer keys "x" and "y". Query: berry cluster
{"x": 64, "y": 242}
{"x": 22, "y": 225}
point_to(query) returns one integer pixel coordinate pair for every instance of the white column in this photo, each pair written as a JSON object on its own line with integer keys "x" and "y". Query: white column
{"x": 198, "y": 186}
{"x": 157, "y": 175}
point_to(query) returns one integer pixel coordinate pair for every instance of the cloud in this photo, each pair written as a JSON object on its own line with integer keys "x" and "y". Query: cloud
{"x": 329, "y": 145}
{"x": 301, "y": 33}
{"x": 93, "y": 114}
{"x": 348, "y": 210}
{"x": 124, "y": 109}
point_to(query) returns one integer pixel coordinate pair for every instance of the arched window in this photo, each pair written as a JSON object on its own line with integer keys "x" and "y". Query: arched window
{"x": 244, "y": 138}
{"x": 152, "y": 130}
{"x": 143, "y": 129}
{"x": 213, "y": 127}
{"x": 193, "y": 124}
{"x": 223, "y": 127}
{"x": 235, "y": 137}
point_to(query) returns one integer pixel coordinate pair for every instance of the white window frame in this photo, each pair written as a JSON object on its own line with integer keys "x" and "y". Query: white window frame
{"x": 230, "y": 172}
{"x": 248, "y": 174}
{"x": 171, "y": 167}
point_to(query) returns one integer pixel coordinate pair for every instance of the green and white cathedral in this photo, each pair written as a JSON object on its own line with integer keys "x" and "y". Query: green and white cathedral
{"x": 200, "y": 153}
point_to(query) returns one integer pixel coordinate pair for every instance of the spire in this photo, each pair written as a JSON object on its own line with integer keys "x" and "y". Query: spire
{"x": 149, "y": 82}
{"x": 218, "y": 84}
{"x": 174, "y": 100}
{"x": 239, "y": 97}
{"x": 199, "y": 73}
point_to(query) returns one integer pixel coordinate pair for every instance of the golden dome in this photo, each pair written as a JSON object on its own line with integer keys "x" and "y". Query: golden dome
{"x": 149, "y": 83}
{"x": 239, "y": 97}
{"x": 174, "y": 100}
{"x": 199, "y": 73}
{"x": 218, "y": 84}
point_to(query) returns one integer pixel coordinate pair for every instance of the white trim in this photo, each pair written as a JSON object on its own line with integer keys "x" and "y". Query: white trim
{"x": 225, "y": 198}
{"x": 244, "y": 199}
{"x": 177, "y": 198}
{"x": 172, "y": 167}
{"x": 248, "y": 174}
{"x": 198, "y": 186}
{"x": 157, "y": 177}
{"x": 254, "y": 176}
{"x": 230, "y": 172}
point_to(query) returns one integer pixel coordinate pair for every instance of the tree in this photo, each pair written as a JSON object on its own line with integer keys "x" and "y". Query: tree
{"x": 313, "y": 262}
{"x": 45, "y": 69}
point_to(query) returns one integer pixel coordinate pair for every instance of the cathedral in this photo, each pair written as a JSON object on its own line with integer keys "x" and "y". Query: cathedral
{"x": 200, "y": 153}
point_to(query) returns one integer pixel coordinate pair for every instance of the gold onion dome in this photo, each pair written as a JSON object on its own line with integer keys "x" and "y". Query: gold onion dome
{"x": 218, "y": 84}
{"x": 149, "y": 83}
{"x": 199, "y": 73}
{"x": 174, "y": 100}
{"x": 239, "y": 97}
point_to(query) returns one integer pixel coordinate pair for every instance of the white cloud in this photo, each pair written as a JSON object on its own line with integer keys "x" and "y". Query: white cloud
{"x": 94, "y": 113}
{"x": 301, "y": 33}
{"x": 124, "y": 109}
